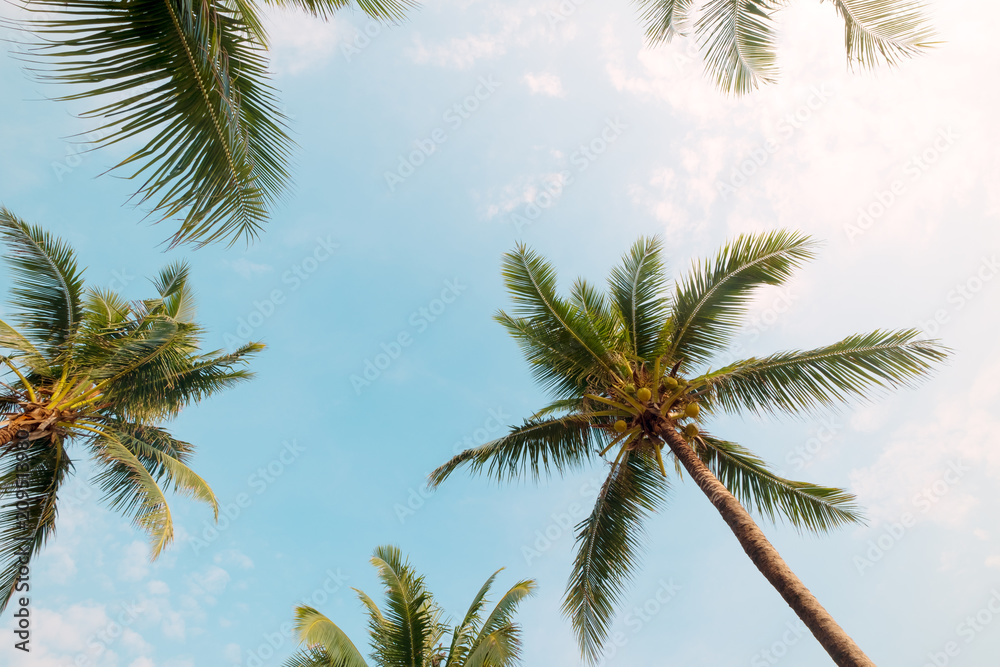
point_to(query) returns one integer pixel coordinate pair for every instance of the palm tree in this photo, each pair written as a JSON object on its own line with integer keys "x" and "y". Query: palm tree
{"x": 737, "y": 38}
{"x": 188, "y": 81}
{"x": 410, "y": 630}
{"x": 86, "y": 368}
{"x": 629, "y": 373}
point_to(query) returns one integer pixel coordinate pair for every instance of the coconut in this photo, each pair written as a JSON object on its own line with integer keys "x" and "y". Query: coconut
{"x": 691, "y": 410}
{"x": 690, "y": 431}
{"x": 620, "y": 426}
{"x": 628, "y": 388}
{"x": 671, "y": 382}
{"x": 644, "y": 394}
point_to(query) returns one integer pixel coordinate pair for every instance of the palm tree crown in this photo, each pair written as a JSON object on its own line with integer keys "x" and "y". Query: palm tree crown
{"x": 738, "y": 38}
{"x": 409, "y": 630}
{"x": 85, "y": 367}
{"x": 190, "y": 80}
{"x": 629, "y": 370}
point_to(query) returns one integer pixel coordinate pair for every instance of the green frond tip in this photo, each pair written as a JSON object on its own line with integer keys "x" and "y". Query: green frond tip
{"x": 189, "y": 81}
{"x": 884, "y": 31}
{"x": 390, "y": 11}
{"x": 664, "y": 19}
{"x": 609, "y": 542}
{"x": 851, "y": 369}
{"x": 805, "y": 506}
{"x": 739, "y": 42}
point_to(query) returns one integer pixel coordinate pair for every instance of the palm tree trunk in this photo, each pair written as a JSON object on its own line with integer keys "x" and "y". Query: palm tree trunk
{"x": 830, "y": 635}
{"x": 8, "y": 433}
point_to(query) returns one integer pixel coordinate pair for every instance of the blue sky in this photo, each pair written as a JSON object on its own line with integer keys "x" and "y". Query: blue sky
{"x": 571, "y": 136}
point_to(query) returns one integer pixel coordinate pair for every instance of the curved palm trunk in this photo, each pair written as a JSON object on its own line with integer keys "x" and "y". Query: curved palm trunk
{"x": 831, "y": 636}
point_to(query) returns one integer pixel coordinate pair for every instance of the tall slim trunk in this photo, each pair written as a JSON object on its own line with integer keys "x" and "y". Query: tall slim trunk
{"x": 831, "y": 636}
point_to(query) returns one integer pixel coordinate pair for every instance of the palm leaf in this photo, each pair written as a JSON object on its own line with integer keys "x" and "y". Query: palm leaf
{"x": 131, "y": 489}
{"x": 636, "y": 288}
{"x": 161, "y": 455}
{"x": 884, "y": 31}
{"x": 400, "y": 633}
{"x": 47, "y": 286}
{"x": 327, "y": 644}
{"x": 499, "y": 641}
{"x": 805, "y": 506}
{"x": 608, "y": 542}
{"x": 464, "y": 633}
{"x": 710, "y": 303}
{"x": 536, "y": 448}
{"x": 380, "y": 10}
{"x": 531, "y": 282}
{"x": 664, "y": 19}
{"x": 24, "y": 530}
{"x": 794, "y": 381}
{"x": 739, "y": 43}
{"x": 188, "y": 77}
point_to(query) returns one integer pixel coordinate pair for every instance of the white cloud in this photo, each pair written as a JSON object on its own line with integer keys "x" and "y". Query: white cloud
{"x": 544, "y": 83}
{"x": 300, "y": 43}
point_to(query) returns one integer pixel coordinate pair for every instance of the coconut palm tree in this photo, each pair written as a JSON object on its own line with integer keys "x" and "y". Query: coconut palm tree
{"x": 86, "y": 369}
{"x": 737, "y": 38}
{"x": 410, "y": 630}
{"x": 629, "y": 372}
{"x": 188, "y": 82}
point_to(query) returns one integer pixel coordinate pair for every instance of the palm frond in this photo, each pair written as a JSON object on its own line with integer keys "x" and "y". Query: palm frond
{"x": 131, "y": 489}
{"x": 534, "y": 449}
{"x": 795, "y": 381}
{"x": 498, "y": 643}
{"x": 400, "y": 633}
{"x": 189, "y": 78}
{"x": 47, "y": 287}
{"x": 29, "y": 489}
{"x": 392, "y": 11}
{"x": 464, "y": 633}
{"x": 636, "y": 289}
{"x": 664, "y": 19}
{"x": 326, "y": 643}
{"x": 710, "y": 302}
{"x": 163, "y": 456}
{"x": 531, "y": 282}
{"x": 738, "y": 38}
{"x": 884, "y": 31}
{"x": 805, "y": 506}
{"x": 608, "y": 544}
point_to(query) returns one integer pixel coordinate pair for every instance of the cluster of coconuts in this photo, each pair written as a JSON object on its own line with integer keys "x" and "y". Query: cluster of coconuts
{"x": 691, "y": 410}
